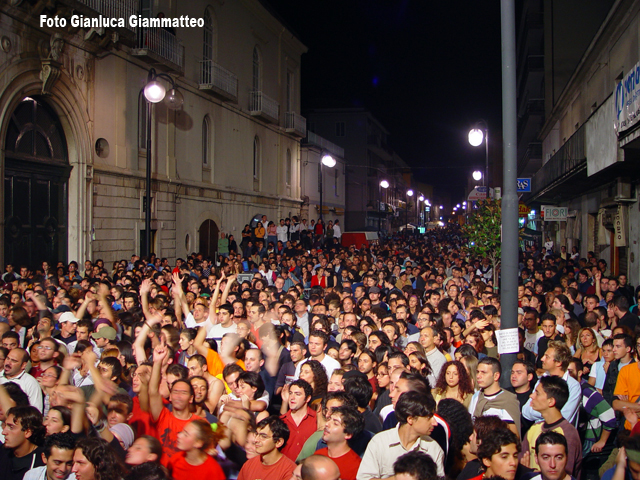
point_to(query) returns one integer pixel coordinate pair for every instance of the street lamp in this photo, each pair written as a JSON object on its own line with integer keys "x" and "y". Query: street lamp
{"x": 476, "y": 137}
{"x": 477, "y": 175}
{"x": 155, "y": 92}
{"x": 330, "y": 162}
{"x": 406, "y": 212}
{"x": 384, "y": 184}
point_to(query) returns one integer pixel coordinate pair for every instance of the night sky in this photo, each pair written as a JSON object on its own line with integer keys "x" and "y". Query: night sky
{"x": 427, "y": 69}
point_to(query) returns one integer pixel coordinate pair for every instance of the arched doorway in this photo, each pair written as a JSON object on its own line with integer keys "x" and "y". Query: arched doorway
{"x": 208, "y": 234}
{"x": 35, "y": 186}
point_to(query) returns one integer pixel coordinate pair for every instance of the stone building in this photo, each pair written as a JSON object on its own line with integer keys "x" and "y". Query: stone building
{"x": 589, "y": 139}
{"x": 73, "y": 127}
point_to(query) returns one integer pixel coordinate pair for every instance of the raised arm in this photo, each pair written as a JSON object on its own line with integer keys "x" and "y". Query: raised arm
{"x": 230, "y": 281}
{"x": 213, "y": 317}
{"x": 107, "y": 311}
{"x": 145, "y": 288}
{"x": 155, "y": 399}
{"x": 179, "y": 295}
{"x": 141, "y": 339}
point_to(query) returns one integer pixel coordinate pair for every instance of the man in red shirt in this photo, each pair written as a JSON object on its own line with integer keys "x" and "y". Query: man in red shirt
{"x": 169, "y": 423}
{"x": 301, "y": 419}
{"x": 343, "y": 424}
{"x": 270, "y": 464}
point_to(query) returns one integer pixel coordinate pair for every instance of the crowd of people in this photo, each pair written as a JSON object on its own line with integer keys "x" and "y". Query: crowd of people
{"x": 328, "y": 362}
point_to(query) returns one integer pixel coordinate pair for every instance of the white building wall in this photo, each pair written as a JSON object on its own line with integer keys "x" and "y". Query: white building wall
{"x": 96, "y": 96}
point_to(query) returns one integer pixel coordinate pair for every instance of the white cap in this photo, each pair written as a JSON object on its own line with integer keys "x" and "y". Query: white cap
{"x": 68, "y": 317}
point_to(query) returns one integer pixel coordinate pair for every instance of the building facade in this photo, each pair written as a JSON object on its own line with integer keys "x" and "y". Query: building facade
{"x": 589, "y": 138}
{"x": 73, "y": 122}
{"x": 317, "y": 177}
{"x": 370, "y": 160}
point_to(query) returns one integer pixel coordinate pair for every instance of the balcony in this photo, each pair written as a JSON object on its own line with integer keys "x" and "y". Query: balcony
{"x": 260, "y": 105}
{"x": 531, "y": 161}
{"x": 295, "y": 124}
{"x": 218, "y": 80}
{"x": 161, "y": 47}
{"x": 114, "y": 9}
{"x": 569, "y": 160}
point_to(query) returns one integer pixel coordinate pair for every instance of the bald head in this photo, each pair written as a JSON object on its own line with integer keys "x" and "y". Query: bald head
{"x": 317, "y": 467}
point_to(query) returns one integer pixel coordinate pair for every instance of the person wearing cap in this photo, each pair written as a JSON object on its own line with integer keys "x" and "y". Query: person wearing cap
{"x": 68, "y": 324}
{"x": 374, "y": 296}
{"x": 104, "y": 336}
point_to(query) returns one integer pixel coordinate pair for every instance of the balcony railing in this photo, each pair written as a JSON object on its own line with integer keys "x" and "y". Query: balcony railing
{"x": 263, "y": 106}
{"x": 219, "y": 79}
{"x": 570, "y": 158}
{"x": 296, "y": 124}
{"x": 160, "y": 45}
{"x": 114, "y": 9}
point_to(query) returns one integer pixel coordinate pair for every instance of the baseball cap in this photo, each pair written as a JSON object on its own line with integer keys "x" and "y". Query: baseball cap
{"x": 374, "y": 290}
{"x": 68, "y": 317}
{"x": 106, "y": 332}
{"x": 61, "y": 309}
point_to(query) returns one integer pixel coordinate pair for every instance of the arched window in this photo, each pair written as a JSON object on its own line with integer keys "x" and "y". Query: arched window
{"x": 256, "y": 69}
{"x": 209, "y": 36}
{"x": 256, "y": 158}
{"x": 288, "y": 168}
{"x": 142, "y": 122}
{"x": 206, "y": 141}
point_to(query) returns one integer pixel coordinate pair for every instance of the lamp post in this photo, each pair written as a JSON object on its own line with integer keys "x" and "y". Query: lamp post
{"x": 155, "y": 92}
{"x": 383, "y": 184}
{"x": 328, "y": 161}
{"x": 476, "y": 136}
{"x": 421, "y": 215}
{"x": 406, "y": 211}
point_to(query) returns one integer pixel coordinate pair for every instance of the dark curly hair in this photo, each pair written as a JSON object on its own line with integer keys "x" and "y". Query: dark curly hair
{"x": 30, "y": 419}
{"x": 459, "y": 420}
{"x": 465, "y": 384}
{"x": 106, "y": 463}
{"x": 148, "y": 471}
{"x": 320, "y": 381}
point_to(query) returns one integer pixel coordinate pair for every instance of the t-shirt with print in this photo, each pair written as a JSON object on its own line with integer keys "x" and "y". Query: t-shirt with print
{"x": 168, "y": 427}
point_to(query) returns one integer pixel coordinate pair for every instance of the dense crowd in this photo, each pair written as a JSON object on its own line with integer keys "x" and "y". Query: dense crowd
{"x": 293, "y": 357}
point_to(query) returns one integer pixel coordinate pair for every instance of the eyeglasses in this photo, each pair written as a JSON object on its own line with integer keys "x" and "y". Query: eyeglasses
{"x": 48, "y": 376}
{"x": 263, "y": 436}
{"x": 41, "y": 347}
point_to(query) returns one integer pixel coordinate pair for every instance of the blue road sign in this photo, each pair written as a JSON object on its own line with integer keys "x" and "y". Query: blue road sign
{"x": 523, "y": 185}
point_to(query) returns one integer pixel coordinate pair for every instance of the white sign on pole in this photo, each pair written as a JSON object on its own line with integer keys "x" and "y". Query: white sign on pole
{"x": 555, "y": 214}
{"x": 508, "y": 341}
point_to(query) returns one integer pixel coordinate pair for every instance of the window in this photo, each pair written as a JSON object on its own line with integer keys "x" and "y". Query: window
{"x": 146, "y": 9}
{"x": 339, "y": 129}
{"x": 142, "y": 121}
{"x": 335, "y": 181}
{"x": 206, "y": 140}
{"x": 290, "y": 89}
{"x": 256, "y": 158}
{"x": 288, "y": 168}
{"x": 256, "y": 69}
{"x": 208, "y": 40}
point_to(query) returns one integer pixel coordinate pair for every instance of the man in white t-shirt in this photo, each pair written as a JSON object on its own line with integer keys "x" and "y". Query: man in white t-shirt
{"x": 532, "y": 332}
{"x": 318, "y": 341}
{"x": 225, "y": 325}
